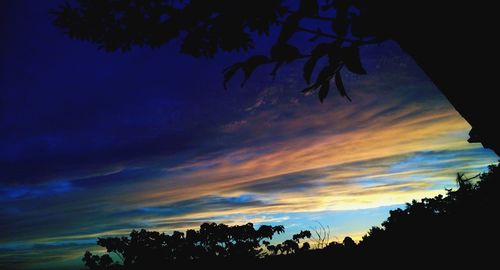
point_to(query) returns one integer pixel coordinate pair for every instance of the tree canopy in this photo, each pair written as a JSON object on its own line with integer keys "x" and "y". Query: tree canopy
{"x": 206, "y": 27}
{"x": 212, "y": 242}
{"x": 431, "y": 32}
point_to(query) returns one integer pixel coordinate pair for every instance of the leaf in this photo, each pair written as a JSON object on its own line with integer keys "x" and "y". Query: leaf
{"x": 284, "y": 53}
{"x": 289, "y": 27}
{"x": 275, "y": 69}
{"x": 251, "y": 64}
{"x": 359, "y": 26}
{"x": 351, "y": 59}
{"x": 319, "y": 51}
{"x": 230, "y": 71}
{"x": 324, "y": 75}
{"x": 335, "y": 53}
{"x": 308, "y": 7}
{"x": 340, "y": 24}
{"x": 309, "y": 89}
{"x": 340, "y": 86}
{"x": 323, "y": 91}
{"x": 248, "y": 68}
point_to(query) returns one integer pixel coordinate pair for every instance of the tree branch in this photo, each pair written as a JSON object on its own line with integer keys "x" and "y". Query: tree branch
{"x": 319, "y": 33}
{"x": 314, "y": 17}
{"x": 358, "y": 41}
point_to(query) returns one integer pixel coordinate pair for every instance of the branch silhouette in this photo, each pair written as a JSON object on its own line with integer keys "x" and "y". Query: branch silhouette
{"x": 432, "y": 32}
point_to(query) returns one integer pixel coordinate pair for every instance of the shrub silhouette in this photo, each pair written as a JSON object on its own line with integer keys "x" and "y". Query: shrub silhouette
{"x": 427, "y": 231}
{"x": 460, "y": 221}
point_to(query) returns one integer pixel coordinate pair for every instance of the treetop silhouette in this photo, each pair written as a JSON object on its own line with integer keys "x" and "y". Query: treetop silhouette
{"x": 429, "y": 231}
{"x": 211, "y": 242}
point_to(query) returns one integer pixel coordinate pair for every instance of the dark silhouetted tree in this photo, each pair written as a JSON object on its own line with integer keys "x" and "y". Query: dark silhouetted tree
{"x": 455, "y": 230}
{"x": 348, "y": 242}
{"x": 290, "y": 246}
{"x": 95, "y": 262}
{"x": 149, "y": 249}
{"x": 462, "y": 222}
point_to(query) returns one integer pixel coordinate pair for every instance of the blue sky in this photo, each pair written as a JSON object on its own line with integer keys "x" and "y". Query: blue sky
{"x": 97, "y": 144}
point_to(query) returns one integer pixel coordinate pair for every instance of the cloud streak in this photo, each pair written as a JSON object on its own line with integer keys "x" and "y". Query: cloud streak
{"x": 281, "y": 159}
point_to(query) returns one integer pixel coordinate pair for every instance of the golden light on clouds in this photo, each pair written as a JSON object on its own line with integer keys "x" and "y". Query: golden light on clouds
{"x": 384, "y": 137}
{"x": 281, "y": 160}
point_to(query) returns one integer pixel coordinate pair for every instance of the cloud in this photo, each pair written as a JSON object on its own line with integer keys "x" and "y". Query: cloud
{"x": 292, "y": 157}
{"x": 45, "y": 256}
{"x": 24, "y": 192}
{"x": 285, "y": 159}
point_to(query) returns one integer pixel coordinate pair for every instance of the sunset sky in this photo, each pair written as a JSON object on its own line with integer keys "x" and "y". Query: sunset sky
{"x": 97, "y": 144}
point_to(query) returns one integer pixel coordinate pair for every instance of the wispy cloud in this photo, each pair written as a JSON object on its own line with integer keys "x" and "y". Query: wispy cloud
{"x": 282, "y": 160}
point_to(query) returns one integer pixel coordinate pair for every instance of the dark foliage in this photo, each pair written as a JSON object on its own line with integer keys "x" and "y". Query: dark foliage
{"x": 437, "y": 34}
{"x": 211, "y": 243}
{"x": 451, "y": 41}
{"x": 453, "y": 230}
{"x": 206, "y": 27}
{"x": 462, "y": 222}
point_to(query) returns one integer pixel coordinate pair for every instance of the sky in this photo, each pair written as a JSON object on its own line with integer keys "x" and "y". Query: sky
{"x": 97, "y": 144}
